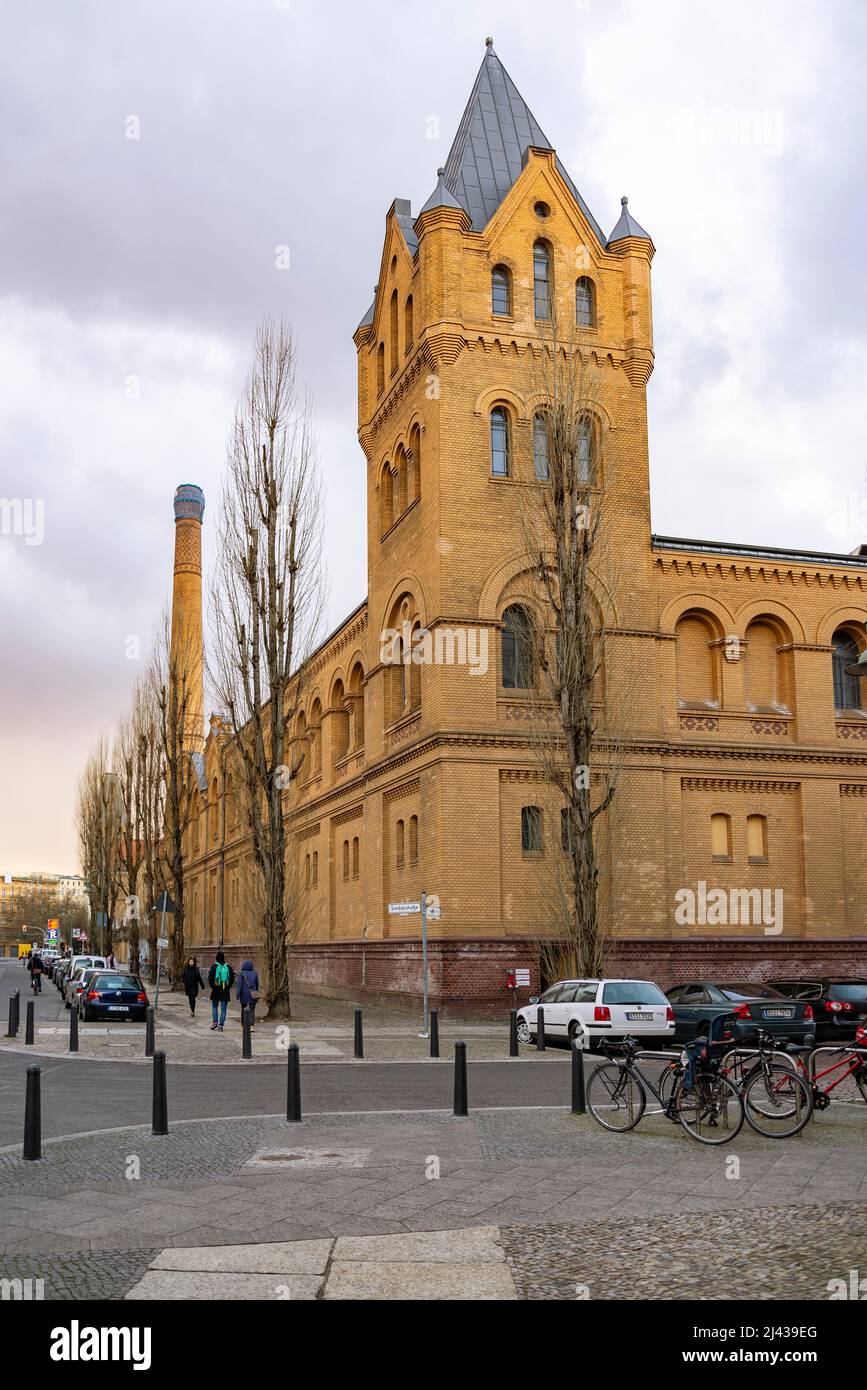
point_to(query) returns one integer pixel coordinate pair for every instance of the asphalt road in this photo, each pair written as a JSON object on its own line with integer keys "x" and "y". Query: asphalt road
{"x": 80, "y": 1095}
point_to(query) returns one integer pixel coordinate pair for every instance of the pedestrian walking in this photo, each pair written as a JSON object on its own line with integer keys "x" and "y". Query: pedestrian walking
{"x": 221, "y": 977}
{"x": 248, "y": 990}
{"x": 191, "y": 979}
{"x": 110, "y": 961}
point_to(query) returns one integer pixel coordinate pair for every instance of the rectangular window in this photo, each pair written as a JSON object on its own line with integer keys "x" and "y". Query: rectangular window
{"x": 531, "y": 830}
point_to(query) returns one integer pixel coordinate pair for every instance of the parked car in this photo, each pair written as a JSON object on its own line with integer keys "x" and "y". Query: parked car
{"x": 73, "y": 982}
{"x": 61, "y": 970}
{"x": 603, "y": 1009}
{"x": 112, "y": 994}
{"x": 753, "y": 1006}
{"x": 48, "y": 960}
{"x": 76, "y": 962}
{"x": 839, "y": 1003}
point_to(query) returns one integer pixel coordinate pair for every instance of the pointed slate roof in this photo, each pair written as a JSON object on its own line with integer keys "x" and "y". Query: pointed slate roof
{"x": 487, "y": 155}
{"x": 441, "y": 196}
{"x": 627, "y": 226}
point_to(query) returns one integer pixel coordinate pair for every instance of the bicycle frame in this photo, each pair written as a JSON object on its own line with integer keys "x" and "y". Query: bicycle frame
{"x": 853, "y": 1060}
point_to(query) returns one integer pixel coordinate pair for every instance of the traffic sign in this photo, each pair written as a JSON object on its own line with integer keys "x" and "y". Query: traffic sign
{"x": 162, "y": 942}
{"x": 403, "y": 909}
{"x": 432, "y": 907}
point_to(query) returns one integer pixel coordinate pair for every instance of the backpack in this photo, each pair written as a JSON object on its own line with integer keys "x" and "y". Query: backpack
{"x": 221, "y": 976}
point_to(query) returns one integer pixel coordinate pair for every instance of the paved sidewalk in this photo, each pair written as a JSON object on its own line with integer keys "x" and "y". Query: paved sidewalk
{"x": 571, "y": 1207}
{"x": 323, "y": 1029}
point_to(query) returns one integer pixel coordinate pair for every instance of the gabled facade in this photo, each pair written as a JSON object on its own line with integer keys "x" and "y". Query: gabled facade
{"x": 744, "y": 742}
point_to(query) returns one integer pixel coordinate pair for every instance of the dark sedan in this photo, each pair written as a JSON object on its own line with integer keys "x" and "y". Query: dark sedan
{"x": 115, "y": 995}
{"x": 754, "y": 1007}
{"x": 840, "y": 1004}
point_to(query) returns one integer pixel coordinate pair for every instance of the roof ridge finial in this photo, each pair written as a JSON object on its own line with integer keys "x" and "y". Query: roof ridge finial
{"x": 441, "y": 173}
{"x": 489, "y": 45}
{"x": 624, "y": 201}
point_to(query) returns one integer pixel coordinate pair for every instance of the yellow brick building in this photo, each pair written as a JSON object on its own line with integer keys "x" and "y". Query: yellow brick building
{"x": 744, "y": 740}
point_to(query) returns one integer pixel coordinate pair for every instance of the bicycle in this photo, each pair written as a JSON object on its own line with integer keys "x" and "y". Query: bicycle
{"x": 707, "y": 1105}
{"x": 778, "y": 1103}
{"x": 853, "y": 1060}
{"x": 36, "y": 981}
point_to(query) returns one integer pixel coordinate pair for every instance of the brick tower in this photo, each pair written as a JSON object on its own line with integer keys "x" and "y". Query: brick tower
{"x": 187, "y": 652}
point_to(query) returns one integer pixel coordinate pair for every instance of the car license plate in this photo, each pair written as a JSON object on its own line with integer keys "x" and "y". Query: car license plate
{"x": 639, "y": 1018}
{"x": 778, "y": 1013}
{"x": 118, "y": 1009}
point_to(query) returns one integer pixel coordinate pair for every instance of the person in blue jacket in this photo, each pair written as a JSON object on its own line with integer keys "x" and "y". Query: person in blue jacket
{"x": 247, "y": 989}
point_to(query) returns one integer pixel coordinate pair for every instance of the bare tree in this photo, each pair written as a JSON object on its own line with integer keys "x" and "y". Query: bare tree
{"x": 565, "y": 523}
{"x": 99, "y": 826}
{"x": 131, "y": 765}
{"x": 153, "y": 800}
{"x": 266, "y": 596}
{"x": 171, "y": 704}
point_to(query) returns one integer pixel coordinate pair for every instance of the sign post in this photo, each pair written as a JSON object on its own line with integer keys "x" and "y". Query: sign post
{"x": 429, "y": 907}
{"x": 163, "y": 904}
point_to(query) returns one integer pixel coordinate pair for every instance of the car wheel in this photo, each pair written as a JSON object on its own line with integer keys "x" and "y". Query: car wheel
{"x": 575, "y": 1029}
{"x": 523, "y": 1030}
{"x": 66, "y": 1004}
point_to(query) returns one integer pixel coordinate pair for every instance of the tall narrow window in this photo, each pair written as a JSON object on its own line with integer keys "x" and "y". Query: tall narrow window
{"x": 315, "y": 868}
{"x": 355, "y": 857}
{"x": 757, "y": 839}
{"x": 413, "y": 839}
{"x": 380, "y": 369}
{"x": 407, "y": 324}
{"x": 517, "y": 649}
{"x": 542, "y": 280}
{"x": 399, "y": 846}
{"x": 847, "y": 689}
{"x": 565, "y": 837}
{"x": 585, "y": 308}
{"x": 721, "y": 837}
{"x": 392, "y": 322}
{"x": 499, "y": 442}
{"x": 386, "y": 498}
{"x": 540, "y": 447}
{"x": 531, "y": 830}
{"x": 345, "y": 860}
{"x": 307, "y": 870}
{"x": 501, "y": 290}
{"x": 585, "y": 452}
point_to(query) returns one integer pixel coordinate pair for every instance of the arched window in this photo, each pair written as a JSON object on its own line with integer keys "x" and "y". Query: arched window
{"x": 356, "y": 700}
{"x": 215, "y": 811}
{"x": 345, "y": 860}
{"x": 316, "y": 737}
{"x": 542, "y": 280}
{"x": 757, "y": 839}
{"x": 500, "y": 442}
{"x": 847, "y": 689}
{"x": 414, "y": 670}
{"x": 407, "y": 324}
{"x": 695, "y": 663}
{"x": 355, "y": 856}
{"x": 400, "y": 497}
{"x": 584, "y": 452}
{"x": 585, "y": 302}
{"x": 540, "y": 447}
{"x": 399, "y": 847}
{"x": 339, "y": 724}
{"x": 531, "y": 830}
{"x": 721, "y": 837}
{"x": 307, "y": 871}
{"x": 386, "y": 498}
{"x": 565, "y": 836}
{"x": 516, "y": 644}
{"x": 380, "y": 369}
{"x": 763, "y": 667}
{"x": 501, "y": 290}
{"x": 413, "y": 839}
{"x": 413, "y": 465}
{"x": 392, "y": 323}
{"x": 316, "y": 868}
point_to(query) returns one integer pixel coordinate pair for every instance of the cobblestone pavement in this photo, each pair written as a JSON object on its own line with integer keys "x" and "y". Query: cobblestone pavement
{"x": 323, "y": 1029}
{"x": 640, "y": 1215}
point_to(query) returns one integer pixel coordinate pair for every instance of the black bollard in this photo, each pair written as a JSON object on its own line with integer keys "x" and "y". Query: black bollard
{"x": 513, "y": 1033}
{"x": 246, "y": 1035}
{"x": 293, "y": 1085}
{"x": 33, "y": 1114}
{"x": 359, "y": 1035}
{"x": 150, "y": 1031}
{"x": 578, "y": 1103}
{"x": 434, "y": 1033}
{"x": 28, "y": 1027}
{"x": 13, "y": 1026}
{"x": 16, "y": 1000}
{"x": 461, "y": 1079}
{"x": 73, "y": 1030}
{"x": 540, "y": 1029}
{"x": 161, "y": 1103}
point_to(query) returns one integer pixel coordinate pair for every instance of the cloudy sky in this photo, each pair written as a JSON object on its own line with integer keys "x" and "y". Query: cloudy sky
{"x": 133, "y": 272}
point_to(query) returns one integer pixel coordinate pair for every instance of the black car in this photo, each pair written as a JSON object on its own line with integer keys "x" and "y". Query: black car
{"x": 113, "y": 995}
{"x": 754, "y": 1007}
{"x": 839, "y": 1003}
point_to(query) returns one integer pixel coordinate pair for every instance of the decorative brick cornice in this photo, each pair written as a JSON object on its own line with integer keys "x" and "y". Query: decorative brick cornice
{"x": 353, "y": 813}
{"x": 737, "y": 784}
{"x": 758, "y": 571}
{"x": 403, "y": 791}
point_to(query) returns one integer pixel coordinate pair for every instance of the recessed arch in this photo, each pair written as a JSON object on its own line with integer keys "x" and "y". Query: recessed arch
{"x": 678, "y": 607}
{"x": 487, "y": 399}
{"x": 760, "y": 608}
{"x": 840, "y": 617}
{"x": 509, "y": 569}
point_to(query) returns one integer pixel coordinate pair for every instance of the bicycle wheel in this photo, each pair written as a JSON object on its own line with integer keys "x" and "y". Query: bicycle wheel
{"x": 861, "y": 1082}
{"x": 711, "y": 1109}
{"x": 777, "y": 1103}
{"x": 615, "y": 1098}
{"x": 667, "y": 1082}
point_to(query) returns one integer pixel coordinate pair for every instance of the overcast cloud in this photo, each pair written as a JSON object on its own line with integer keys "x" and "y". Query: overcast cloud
{"x": 133, "y": 272}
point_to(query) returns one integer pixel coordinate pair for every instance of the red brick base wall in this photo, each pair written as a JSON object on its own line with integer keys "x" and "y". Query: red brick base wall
{"x": 468, "y": 977}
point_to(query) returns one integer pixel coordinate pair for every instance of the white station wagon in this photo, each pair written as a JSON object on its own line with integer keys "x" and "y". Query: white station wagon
{"x": 600, "y": 1009}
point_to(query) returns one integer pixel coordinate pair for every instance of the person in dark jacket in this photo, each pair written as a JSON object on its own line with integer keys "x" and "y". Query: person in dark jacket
{"x": 248, "y": 990}
{"x": 221, "y": 977}
{"x": 191, "y": 979}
